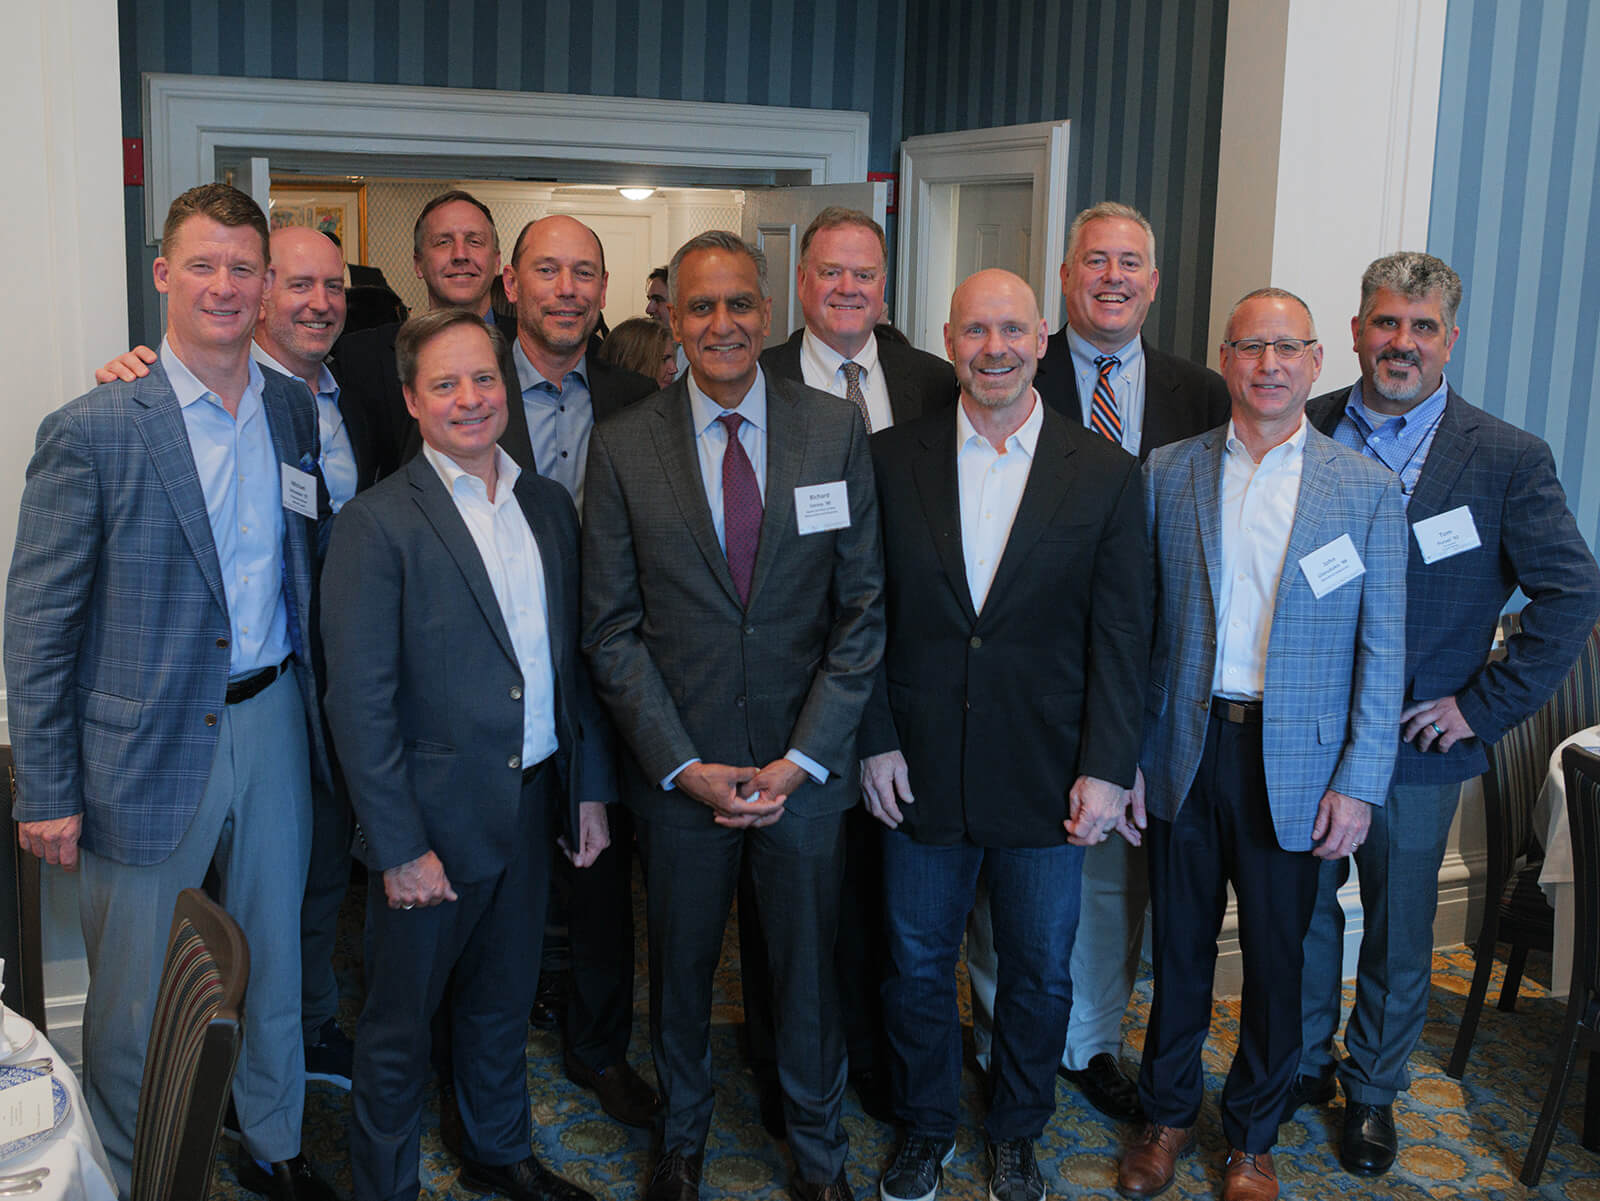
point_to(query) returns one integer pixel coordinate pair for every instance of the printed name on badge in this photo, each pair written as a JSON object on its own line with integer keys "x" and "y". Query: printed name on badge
{"x": 1331, "y": 566}
{"x": 819, "y": 507}
{"x": 299, "y": 491}
{"x": 1446, "y": 534}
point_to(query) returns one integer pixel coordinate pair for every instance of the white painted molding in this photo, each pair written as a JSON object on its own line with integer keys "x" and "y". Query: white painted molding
{"x": 189, "y": 118}
{"x": 931, "y": 166}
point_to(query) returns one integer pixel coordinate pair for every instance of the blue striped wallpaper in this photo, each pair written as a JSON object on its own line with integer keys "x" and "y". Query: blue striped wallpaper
{"x": 1516, "y": 211}
{"x": 1141, "y": 81}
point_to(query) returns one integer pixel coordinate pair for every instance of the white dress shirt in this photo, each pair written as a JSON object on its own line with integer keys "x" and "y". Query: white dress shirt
{"x": 1257, "y": 511}
{"x": 990, "y": 485}
{"x": 822, "y": 367}
{"x": 1127, "y": 384}
{"x": 337, "y": 456}
{"x": 510, "y": 555}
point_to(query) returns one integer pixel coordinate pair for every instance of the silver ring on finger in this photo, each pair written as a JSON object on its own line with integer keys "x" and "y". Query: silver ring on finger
{"x": 408, "y": 906}
{"x": 1436, "y": 728}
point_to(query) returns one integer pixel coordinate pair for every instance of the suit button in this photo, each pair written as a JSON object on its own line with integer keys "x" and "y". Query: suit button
{"x": 516, "y": 692}
{"x": 739, "y": 701}
{"x": 211, "y": 719}
{"x": 749, "y": 629}
{"x": 975, "y": 643}
{"x": 222, "y": 643}
{"x": 514, "y": 762}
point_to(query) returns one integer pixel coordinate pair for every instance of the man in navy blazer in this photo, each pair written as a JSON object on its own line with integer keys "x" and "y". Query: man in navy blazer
{"x": 1487, "y": 516}
{"x": 1275, "y": 683}
{"x": 159, "y": 594}
{"x": 468, "y": 735}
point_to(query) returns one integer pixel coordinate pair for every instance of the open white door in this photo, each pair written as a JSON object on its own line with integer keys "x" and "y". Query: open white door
{"x": 774, "y": 219}
{"x": 980, "y": 198}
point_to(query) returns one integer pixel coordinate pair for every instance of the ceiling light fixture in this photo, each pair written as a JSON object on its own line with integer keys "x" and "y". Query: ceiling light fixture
{"x": 637, "y": 193}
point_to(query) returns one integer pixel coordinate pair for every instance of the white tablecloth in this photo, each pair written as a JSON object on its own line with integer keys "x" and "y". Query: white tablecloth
{"x": 77, "y": 1161}
{"x": 1555, "y": 878}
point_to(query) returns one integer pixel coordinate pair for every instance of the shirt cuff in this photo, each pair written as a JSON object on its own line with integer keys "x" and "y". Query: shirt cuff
{"x": 669, "y": 781}
{"x": 818, "y": 773}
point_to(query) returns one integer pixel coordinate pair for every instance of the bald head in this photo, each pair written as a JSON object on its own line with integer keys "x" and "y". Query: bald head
{"x": 995, "y": 338}
{"x": 557, "y": 280}
{"x": 302, "y": 313}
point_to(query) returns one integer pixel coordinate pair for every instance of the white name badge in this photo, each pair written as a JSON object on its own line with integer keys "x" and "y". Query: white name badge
{"x": 1451, "y": 533}
{"x": 299, "y": 491}
{"x": 819, "y": 507}
{"x": 26, "y": 1108}
{"x": 1332, "y": 565}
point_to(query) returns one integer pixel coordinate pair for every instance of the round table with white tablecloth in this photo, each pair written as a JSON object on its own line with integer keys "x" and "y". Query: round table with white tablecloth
{"x": 1555, "y": 878}
{"x": 71, "y": 1150}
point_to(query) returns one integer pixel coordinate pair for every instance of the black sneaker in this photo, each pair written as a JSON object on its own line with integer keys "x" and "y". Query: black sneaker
{"x": 1016, "y": 1172}
{"x": 917, "y": 1170}
{"x": 330, "y": 1057}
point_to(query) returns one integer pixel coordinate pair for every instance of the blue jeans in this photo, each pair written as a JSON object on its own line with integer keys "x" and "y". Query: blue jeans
{"x": 928, "y": 890}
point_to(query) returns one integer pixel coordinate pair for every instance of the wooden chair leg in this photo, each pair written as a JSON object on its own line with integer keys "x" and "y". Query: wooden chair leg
{"x": 1483, "y": 966}
{"x": 1560, "y": 1074}
{"x": 1515, "y": 963}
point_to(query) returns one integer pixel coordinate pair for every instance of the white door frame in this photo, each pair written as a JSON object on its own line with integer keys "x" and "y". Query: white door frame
{"x": 189, "y": 118}
{"x": 931, "y": 166}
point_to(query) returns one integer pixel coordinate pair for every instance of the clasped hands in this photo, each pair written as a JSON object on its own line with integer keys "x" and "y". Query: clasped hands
{"x": 742, "y": 798}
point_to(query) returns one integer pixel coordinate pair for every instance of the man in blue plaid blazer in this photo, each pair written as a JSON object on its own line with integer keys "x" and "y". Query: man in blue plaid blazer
{"x": 1488, "y": 516}
{"x": 1270, "y": 724}
{"x": 161, "y": 702}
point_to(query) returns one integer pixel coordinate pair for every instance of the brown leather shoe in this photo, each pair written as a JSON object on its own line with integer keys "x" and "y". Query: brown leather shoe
{"x": 1249, "y": 1177}
{"x": 622, "y": 1091}
{"x": 1148, "y": 1166}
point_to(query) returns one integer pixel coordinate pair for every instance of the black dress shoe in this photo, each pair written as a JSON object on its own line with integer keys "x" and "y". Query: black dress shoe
{"x": 1367, "y": 1145}
{"x": 287, "y": 1180}
{"x": 549, "y": 1002}
{"x": 676, "y": 1178}
{"x": 1309, "y": 1090}
{"x": 1106, "y": 1086}
{"x": 622, "y": 1091}
{"x": 525, "y": 1180}
{"x": 837, "y": 1189}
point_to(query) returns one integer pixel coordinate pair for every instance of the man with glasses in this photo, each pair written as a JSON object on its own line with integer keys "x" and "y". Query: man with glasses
{"x": 1488, "y": 516}
{"x": 1275, "y": 685}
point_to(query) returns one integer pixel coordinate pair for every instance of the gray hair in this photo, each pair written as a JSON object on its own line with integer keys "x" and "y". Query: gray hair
{"x": 1269, "y": 294}
{"x": 716, "y": 239}
{"x": 1109, "y": 209}
{"x": 1415, "y": 276}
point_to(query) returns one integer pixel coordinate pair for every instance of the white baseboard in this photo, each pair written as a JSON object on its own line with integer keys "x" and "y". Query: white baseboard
{"x": 64, "y": 1014}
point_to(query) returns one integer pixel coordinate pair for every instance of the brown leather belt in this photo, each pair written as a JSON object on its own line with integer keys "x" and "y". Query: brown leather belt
{"x": 248, "y": 686}
{"x": 1240, "y": 713}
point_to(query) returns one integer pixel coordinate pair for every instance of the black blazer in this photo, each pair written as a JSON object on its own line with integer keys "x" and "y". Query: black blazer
{"x": 999, "y": 712}
{"x": 1181, "y": 399}
{"x": 918, "y": 382}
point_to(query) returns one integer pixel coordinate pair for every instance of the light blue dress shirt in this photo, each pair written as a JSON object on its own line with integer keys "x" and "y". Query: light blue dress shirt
{"x": 560, "y": 420}
{"x": 1400, "y": 443}
{"x": 238, "y": 469}
{"x": 1127, "y": 383}
{"x": 338, "y": 456}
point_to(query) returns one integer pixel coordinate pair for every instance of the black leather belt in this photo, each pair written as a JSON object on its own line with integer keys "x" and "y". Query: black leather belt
{"x": 248, "y": 686}
{"x": 1240, "y": 713}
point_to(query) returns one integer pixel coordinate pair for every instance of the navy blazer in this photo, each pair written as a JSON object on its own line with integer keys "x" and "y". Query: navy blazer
{"x": 117, "y": 640}
{"x": 424, "y": 690}
{"x": 918, "y": 382}
{"x": 1506, "y": 478}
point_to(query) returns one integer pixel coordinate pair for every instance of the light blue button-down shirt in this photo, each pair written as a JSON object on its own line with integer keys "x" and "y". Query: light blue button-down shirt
{"x": 1127, "y": 384}
{"x": 1400, "y": 443}
{"x": 338, "y": 456}
{"x": 238, "y": 469}
{"x": 560, "y": 420}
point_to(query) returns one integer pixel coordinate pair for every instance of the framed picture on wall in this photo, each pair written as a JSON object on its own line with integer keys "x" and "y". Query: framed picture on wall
{"x": 335, "y": 207}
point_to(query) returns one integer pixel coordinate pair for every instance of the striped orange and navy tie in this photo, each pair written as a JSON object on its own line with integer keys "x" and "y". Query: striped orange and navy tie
{"x": 1103, "y": 415}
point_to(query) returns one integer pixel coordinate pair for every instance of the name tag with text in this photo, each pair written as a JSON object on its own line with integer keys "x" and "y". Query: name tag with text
{"x": 1446, "y": 534}
{"x": 299, "y": 491}
{"x": 820, "y": 507}
{"x": 1332, "y": 566}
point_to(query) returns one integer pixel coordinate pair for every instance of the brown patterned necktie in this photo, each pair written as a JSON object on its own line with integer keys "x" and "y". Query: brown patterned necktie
{"x": 853, "y": 392}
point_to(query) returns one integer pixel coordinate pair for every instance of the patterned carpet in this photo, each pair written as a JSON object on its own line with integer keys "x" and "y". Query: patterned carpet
{"x": 1458, "y": 1140}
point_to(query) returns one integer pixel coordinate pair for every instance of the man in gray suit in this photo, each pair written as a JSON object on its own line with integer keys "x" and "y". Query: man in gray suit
{"x": 1270, "y": 726}
{"x": 464, "y": 719}
{"x": 158, "y": 598}
{"x": 733, "y": 617}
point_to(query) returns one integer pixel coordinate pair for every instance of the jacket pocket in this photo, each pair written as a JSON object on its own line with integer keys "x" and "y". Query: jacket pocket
{"x": 1330, "y": 728}
{"x": 108, "y": 709}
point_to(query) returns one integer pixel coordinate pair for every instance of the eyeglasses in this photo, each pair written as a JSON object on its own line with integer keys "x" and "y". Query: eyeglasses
{"x": 1287, "y": 349}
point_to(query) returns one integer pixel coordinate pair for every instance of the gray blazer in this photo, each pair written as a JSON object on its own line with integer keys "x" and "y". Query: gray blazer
{"x": 686, "y": 671}
{"x": 1335, "y": 666}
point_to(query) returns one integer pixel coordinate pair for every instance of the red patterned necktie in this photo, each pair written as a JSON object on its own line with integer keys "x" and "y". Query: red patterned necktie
{"x": 741, "y": 508}
{"x": 1103, "y": 416}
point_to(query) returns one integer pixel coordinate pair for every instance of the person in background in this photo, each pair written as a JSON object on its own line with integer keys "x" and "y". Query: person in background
{"x": 640, "y": 345}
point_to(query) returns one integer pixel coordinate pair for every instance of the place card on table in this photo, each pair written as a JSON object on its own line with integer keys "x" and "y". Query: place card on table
{"x": 26, "y": 1108}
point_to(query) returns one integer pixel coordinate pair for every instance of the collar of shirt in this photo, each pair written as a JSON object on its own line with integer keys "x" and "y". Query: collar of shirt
{"x": 827, "y": 361}
{"x": 1024, "y": 438}
{"x": 1407, "y": 427}
{"x": 753, "y": 408}
{"x": 188, "y": 388}
{"x": 1280, "y": 455}
{"x": 325, "y": 384}
{"x": 1084, "y": 353}
{"x": 534, "y": 385}
{"x": 456, "y": 477}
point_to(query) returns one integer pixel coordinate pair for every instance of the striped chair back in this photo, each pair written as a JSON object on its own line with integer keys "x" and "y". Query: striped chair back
{"x": 194, "y": 1045}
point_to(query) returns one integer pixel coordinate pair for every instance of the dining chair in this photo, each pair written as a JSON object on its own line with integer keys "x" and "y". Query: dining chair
{"x": 1514, "y": 908}
{"x": 1581, "y": 1030}
{"x": 194, "y": 1045}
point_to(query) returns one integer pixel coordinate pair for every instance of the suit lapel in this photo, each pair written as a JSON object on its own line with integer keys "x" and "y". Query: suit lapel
{"x": 1206, "y": 464}
{"x": 1317, "y": 486}
{"x": 1047, "y": 485}
{"x": 1453, "y": 444}
{"x": 897, "y": 381}
{"x": 434, "y": 501}
{"x": 1159, "y": 403}
{"x": 1056, "y": 367}
{"x": 675, "y": 448}
{"x": 545, "y": 536}
{"x": 160, "y": 424}
{"x": 935, "y": 473}
{"x": 786, "y": 452}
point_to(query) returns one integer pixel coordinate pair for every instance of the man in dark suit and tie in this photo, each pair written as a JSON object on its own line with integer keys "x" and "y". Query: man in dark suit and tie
{"x": 468, "y": 731}
{"x": 733, "y": 619}
{"x": 1005, "y": 732}
{"x": 1488, "y": 516}
{"x": 841, "y": 279}
{"x": 1275, "y": 683}
{"x": 162, "y": 706}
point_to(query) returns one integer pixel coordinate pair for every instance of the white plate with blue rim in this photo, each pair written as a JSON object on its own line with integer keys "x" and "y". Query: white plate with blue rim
{"x": 61, "y": 1103}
